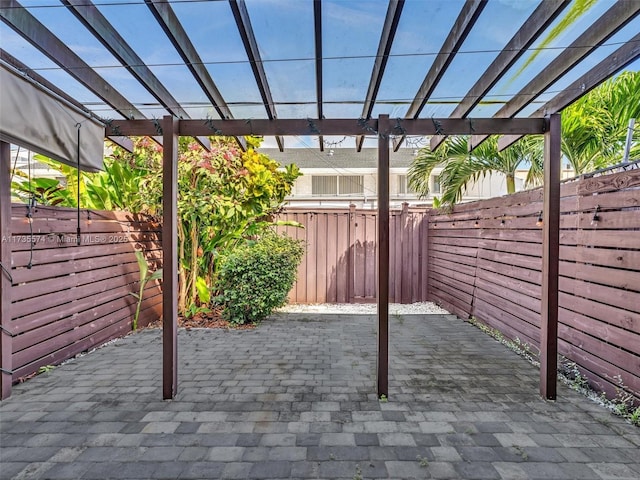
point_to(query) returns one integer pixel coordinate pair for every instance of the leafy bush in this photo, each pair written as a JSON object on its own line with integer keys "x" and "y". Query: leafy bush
{"x": 224, "y": 196}
{"x": 255, "y": 277}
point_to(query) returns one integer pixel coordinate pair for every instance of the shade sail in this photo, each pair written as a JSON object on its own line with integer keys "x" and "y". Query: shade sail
{"x": 34, "y": 119}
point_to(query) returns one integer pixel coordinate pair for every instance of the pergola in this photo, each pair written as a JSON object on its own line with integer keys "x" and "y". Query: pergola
{"x": 470, "y": 78}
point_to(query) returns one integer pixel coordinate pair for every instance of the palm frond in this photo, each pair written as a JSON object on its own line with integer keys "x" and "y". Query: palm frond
{"x": 461, "y": 168}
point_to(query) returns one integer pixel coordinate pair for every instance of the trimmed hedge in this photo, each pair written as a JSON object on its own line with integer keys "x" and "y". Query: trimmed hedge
{"x": 255, "y": 278}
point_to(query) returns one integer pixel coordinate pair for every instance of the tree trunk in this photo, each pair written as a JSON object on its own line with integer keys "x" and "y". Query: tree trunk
{"x": 182, "y": 278}
{"x": 194, "y": 261}
{"x": 511, "y": 183}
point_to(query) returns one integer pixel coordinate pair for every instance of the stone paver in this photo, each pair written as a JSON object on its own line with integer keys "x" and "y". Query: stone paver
{"x": 295, "y": 399}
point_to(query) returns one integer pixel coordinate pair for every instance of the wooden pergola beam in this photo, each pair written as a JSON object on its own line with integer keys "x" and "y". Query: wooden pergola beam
{"x": 620, "y": 14}
{"x": 550, "y": 260}
{"x": 243, "y": 21}
{"x": 470, "y": 12}
{"x": 175, "y": 32}
{"x": 123, "y": 142}
{"x": 531, "y": 29}
{"x": 87, "y": 13}
{"x": 615, "y": 62}
{"x": 278, "y": 127}
{"x": 166, "y": 17}
{"x": 40, "y": 37}
{"x": 394, "y": 10}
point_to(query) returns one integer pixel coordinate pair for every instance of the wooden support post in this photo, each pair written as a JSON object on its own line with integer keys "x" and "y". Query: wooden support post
{"x": 5, "y": 272}
{"x": 170, "y": 257}
{"x": 383, "y": 255}
{"x": 550, "y": 260}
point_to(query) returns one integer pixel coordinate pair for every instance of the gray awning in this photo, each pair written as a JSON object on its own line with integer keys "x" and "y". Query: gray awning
{"x": 34, "y": 119}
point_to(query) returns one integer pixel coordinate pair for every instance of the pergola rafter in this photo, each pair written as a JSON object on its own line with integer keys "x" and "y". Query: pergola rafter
{"x": 535, "y": 25}
{"x": 384, "y": 48}
{"x": 176, "y": 33}
{"x": 243, "y": 21}
{"x": 18, "y": 18}
{"x": 99, "y": 26}
{"x": 468, "y": 16}
{"x": 619, "y": 59}
{"x": 606, "y": 26}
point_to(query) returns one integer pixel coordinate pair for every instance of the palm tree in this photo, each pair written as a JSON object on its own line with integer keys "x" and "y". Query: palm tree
{"x": 594, "y": 131}
{"x": 594, "y": 128}
{"x": 460, "y": 168}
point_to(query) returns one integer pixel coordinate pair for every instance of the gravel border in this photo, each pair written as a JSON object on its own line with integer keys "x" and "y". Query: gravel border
{"x": 365, "y": 308}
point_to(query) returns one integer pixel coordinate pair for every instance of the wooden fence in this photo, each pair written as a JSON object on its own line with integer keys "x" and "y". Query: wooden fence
{"x": 482, "y": 259}
{"x": 67, "y": 298}
{"x": 485, "y": 261}
{"x": 340, "y": 261}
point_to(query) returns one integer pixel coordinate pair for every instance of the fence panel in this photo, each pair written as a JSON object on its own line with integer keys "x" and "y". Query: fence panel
{"x": 340, "y": 263}
{"x": 67, "y": 298}
{"x": 485, "y": 261}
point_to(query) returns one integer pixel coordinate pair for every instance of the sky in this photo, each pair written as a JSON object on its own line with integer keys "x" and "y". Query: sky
{"x": 284, "y": 33}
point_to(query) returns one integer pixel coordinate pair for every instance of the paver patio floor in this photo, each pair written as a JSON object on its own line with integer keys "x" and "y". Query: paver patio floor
{"x": 295, "y": 398}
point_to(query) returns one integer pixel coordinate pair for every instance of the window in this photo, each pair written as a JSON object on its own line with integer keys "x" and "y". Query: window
{"x": 334, "y": 185}
{"x": 324, "y": 185}
{"x": 403, "y": 186}
{"x": 351, "y": 185}
{"x": 435, "y": 180}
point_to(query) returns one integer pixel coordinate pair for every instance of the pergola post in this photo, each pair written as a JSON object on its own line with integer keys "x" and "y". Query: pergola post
{"x": 550, "y": 260}
{"x": 383, "y": 256}
{"x": 170, "y": 128}
{"x": 6, "y": 363}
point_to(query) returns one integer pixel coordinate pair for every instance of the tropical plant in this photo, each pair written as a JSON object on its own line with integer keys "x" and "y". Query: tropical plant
{"x": 577, "y": 10}
{"x": 594, "y": 128}
{"x": 461, "y": 167}
{"x": 115, "y": 188}
{"x": 594, "y": 131}
{"x": 145, "y": 278}
{"x": 224, "y": 196}
{"x": 44, "y": 191}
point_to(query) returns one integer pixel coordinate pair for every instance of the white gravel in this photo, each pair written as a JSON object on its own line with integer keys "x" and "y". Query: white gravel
{"x": 365, "y": 308}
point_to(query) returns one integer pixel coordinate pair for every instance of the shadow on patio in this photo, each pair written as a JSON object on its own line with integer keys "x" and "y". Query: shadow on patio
{"x": 295, "y": 398}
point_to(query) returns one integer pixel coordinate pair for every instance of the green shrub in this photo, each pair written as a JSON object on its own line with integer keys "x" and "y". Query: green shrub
{"x": 255, "y": 278}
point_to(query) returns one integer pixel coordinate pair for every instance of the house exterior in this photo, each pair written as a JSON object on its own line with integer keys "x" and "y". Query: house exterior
{"x": 339, "y": 177}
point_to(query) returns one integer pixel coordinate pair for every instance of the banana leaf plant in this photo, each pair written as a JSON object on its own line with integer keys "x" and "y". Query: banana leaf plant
{"x": 145, "y": 277}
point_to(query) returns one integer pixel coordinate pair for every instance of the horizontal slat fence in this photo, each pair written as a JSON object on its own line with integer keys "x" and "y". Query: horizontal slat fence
{"x": 485, "y": 261}
{"x": 67, "y": 298}
{"x": 340, "y": 264}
